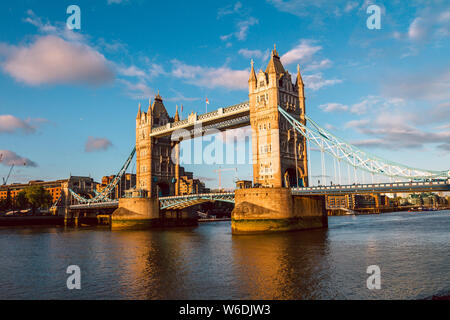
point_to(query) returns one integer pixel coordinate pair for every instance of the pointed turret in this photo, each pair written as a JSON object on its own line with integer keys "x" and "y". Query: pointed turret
{"x": 274, "y": 65}
{"x": 252, "y": 73}
{"x": 177, "y": 117}
{"x": 159, "y": 113}
{"x": 299, "y": 76}
{"x": 158, "y": 97}
{"x": 139, "y": 111}
{"x": 149, "y": 106}
{"x": 301, "y": 94}
{"x": 275, "y": 49}
{"x": 252, "y": 79}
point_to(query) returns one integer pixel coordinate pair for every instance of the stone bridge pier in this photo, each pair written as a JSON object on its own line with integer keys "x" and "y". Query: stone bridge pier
{"x": 144, "y": 213}
{"x": 262, "y": 210}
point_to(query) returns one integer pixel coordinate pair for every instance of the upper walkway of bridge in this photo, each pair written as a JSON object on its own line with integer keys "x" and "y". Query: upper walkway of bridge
{"x": 222, "y": 118}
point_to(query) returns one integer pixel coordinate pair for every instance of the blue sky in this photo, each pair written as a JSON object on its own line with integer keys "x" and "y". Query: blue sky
{"x": 68, "y": 99}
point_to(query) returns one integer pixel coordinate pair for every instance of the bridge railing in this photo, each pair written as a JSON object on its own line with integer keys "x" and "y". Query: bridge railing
{"x": 236, "y": 107}
{"x": 369, "y": 185}
{"x": 374, "y": 185}
{"x": 208, "y": 115}
{"x": 216, "y": 194}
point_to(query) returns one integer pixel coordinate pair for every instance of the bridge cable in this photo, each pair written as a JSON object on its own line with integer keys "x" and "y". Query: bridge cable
{"x": 340, "y": 149}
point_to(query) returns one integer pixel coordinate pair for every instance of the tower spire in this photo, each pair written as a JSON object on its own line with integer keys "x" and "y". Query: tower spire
{"x": 301, "y": 94}
{"x": 176, "y": 117}
{"x": 158, "y": 97}
{"x": 252, "y": 73}
{"x": 274, "y": 51}
{"x": 139, "y": 111}
{"x": 275, "y": 65}
{"x": 299, "y": 76}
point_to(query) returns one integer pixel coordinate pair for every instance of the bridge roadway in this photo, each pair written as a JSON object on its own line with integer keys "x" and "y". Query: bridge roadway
{"x": 184, "y": 201}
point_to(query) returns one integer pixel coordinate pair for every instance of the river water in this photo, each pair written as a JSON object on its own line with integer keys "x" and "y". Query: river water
{"x": 207, "y": 262}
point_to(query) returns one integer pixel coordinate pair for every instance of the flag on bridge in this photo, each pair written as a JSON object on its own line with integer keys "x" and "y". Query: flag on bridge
{"x": 207, "y": 102}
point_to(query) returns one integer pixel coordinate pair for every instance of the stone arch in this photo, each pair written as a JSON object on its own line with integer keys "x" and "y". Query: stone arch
{"x": 289, "y": 178}
{"x": 163, "y": 189}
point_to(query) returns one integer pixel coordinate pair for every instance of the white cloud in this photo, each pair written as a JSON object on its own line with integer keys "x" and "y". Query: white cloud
{"x": 243, "y": 26}
{"x": 97, "y": 144}
{"x": 350, "y": 6}
{"x": 137, "y": 90}
{"x": 392, "y": 130}
{"x": 367, "y": 104}
{"x": 251, "y": 53}
{"x": 303, "y": 52}
{"x": 230, "y": 9}
{"x": 316, "y": 81}
{"x": 9, "y": 158}
{"x": 180, "y": 97}
{"x": 131, "y": 71}
{"x": 51, "y": 60}
{"x": 316, "y": 8}
{"x": 36, "y": 21}
{"x": 211, "y": 77}
{"x": 155, "y": 70}
{"x": 301, "y": 7}
{"x": 333, "y": 107}
{"x": 363, "y": 106}
{"x": 12, "y": 124}
{"x": 58, "y": 29}
{"x": 112, "y": 46}
{"x": 59, "y": 56}
{"x": 322, "y": 64}
{"x": 356, "y": 123}
{"x": 226, "y": 37}
{"x": 419, "y": 29}
{"x": 431, "y": 22}
{"x": 152, "y": 71}
{"x": 431, "y": 85}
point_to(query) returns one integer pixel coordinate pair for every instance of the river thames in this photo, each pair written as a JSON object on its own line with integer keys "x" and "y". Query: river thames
{"x": 208, "y": 262}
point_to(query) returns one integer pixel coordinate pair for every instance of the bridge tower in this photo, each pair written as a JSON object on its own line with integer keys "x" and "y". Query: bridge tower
{"x": 279, "y": 152}
{"x": 156, "y": 175}
{"x": 155, "y": 172}
{"x": 279, "y": 158}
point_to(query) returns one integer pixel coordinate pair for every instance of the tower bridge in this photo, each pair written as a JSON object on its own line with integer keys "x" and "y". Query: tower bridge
{"x": 281, "y": 134}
